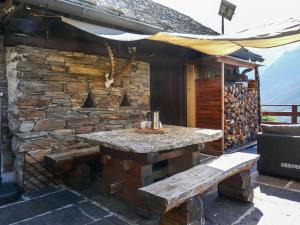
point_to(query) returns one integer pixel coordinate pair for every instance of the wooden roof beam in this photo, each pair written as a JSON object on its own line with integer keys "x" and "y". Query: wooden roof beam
{"x": 236, "y": 62}
{"x": 228, "y": 60}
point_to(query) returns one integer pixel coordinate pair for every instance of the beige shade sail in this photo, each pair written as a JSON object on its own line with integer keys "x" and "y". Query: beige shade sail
{"x": 266, "y": 36}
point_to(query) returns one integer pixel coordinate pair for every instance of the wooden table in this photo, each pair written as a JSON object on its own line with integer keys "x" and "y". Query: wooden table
{"x": 132, "y": 160}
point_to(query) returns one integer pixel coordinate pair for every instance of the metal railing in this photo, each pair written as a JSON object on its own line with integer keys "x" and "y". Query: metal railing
{"x": 293, "y": 113}
{"x": 36, "y": 175}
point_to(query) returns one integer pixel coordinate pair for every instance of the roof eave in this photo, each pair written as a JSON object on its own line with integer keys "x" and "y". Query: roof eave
{"x": 96, "y": 15}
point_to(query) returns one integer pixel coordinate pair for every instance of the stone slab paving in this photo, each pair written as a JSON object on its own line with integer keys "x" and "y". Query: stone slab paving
{"x": 276, "y": 202}
{"x": 58, "y": 206}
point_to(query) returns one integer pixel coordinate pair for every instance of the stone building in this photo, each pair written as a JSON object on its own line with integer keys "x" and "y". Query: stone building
{"x": 56, "y": 77}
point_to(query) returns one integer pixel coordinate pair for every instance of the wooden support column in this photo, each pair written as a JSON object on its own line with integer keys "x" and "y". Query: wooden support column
{"x": 191, "y": 95}
{"x": 222, "y": 101}
{"x": 258, "y": 97}
{"x": 189, "y": 213}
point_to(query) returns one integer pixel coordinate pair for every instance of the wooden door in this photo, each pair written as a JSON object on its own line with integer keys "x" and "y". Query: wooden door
{"x": 209, "y": 110}
{"x": 168, "y": 93}
{"x": 208, "y": 103}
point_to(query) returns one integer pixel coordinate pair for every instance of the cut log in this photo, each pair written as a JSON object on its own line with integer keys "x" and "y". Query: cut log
{"x": 167, "y": 194}
{"x": 241, "y": 114}
{"x": 66, "y": 161}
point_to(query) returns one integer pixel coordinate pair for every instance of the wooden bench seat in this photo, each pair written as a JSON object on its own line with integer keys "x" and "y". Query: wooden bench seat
{"x": 66, "y": 161}
{"x": 177, "y": 198}
{"x": 74, "y": 166}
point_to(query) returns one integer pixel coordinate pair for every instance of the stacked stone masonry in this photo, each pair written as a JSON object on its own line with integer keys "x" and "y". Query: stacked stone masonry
{"x": 47, "y": 89}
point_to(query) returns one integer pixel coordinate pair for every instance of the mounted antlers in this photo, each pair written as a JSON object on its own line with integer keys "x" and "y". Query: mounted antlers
{"x": 126, "y": 69}
{"x": 109, "y": 77}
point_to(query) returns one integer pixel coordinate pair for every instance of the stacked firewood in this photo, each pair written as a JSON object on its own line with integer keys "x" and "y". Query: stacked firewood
{"x": 241, "y": 117}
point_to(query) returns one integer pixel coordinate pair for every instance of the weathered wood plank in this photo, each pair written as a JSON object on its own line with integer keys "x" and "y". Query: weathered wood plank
{"x": 167, "y": 194}
{"x": 190, "y": 95}
{"x": 65, "y": 161}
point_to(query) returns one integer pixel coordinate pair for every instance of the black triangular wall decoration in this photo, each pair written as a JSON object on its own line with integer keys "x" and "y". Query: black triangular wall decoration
{"x": 125, "y": 100}
{"x": 89, "y": 101}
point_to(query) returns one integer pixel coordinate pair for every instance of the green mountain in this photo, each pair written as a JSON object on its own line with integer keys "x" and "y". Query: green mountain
{"x": 280, "y": 83}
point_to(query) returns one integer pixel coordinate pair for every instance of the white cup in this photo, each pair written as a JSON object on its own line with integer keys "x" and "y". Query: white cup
{"x": 143, "y": 124}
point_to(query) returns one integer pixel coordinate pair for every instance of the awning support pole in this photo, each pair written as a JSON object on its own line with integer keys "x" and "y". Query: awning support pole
{"x": 258, "y": 98}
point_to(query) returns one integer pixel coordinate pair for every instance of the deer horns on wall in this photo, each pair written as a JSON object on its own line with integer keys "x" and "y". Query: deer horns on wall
{"x": 109, "y": 77}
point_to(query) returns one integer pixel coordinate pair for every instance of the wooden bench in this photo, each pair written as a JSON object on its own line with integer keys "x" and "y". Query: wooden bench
{"x": 66, "y": 161}
{"x": 73, "y": 165}
{"x": 178, "y": 198}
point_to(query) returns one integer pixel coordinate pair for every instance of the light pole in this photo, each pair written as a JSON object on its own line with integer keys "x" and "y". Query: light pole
{"x": 226, "y": 11}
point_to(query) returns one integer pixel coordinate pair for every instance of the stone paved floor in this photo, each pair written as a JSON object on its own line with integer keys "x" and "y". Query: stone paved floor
{"x": 276, "y": 202}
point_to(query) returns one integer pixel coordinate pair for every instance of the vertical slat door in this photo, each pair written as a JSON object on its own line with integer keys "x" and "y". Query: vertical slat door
{"x": 209, "y": 109}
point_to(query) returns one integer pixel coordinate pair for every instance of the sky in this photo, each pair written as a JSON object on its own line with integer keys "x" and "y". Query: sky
{"x": 248, "y": 14}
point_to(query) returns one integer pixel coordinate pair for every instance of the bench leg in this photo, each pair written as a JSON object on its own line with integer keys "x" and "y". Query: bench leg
{"x": 189, "y": 213}
{"x": 238, "y": 187}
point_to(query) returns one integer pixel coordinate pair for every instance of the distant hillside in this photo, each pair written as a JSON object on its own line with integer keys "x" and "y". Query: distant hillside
{"x": 280, "y": 83}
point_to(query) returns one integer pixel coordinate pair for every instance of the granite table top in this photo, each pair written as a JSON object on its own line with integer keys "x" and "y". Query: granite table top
{"x": 129, "y": 141}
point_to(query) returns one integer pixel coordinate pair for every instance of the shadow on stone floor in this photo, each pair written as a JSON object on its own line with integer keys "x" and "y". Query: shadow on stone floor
{"x": 217, "y": 210}
{"x": 225, "y": 211}
{"x": 280, "y": 193}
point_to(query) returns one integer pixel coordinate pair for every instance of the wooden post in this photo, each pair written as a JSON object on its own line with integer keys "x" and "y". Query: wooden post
{"x": 258, "y": 98}
{"x": 191, "y": 95}
{"x": 294, "y": 114}
{"x": 222, "y": 102}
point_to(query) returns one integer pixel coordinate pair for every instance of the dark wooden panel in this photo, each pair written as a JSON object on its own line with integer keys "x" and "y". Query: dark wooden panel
{"x": 168, "y": 93}
{"x": 209, "y": 110}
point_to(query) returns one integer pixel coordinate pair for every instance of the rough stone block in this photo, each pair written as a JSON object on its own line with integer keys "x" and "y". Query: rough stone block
{"x": 56, "y": 58}
{"x": 85, "y": 70}
{"x": 49, "y": 124}
{"x": 43, "y": 143}
{"x": 32, "y": 113}
{"x": 84, "y": 130}
{"x": 60, "y": 77}
{"x": 26, "y": 126}
{"x": 77, "y": 87}
{"x": 58, "y": 68}
{"x": 33, "y": 101}
{"x": 39, "y": 87}
{"x": 62, "y": 132}
{"x": 79, "y": 121}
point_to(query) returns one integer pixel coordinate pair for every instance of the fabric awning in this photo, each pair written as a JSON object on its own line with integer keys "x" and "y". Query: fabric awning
{"x": 267, "y": 36}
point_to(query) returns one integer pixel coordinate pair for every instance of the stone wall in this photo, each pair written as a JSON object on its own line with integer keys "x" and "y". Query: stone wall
{"x": 47, "y": 89}
{"x": 7, "y": 160}
{"x": 241, "y": 114}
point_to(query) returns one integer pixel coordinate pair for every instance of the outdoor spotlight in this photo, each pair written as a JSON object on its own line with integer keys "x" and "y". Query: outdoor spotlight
{"x": 226, "y": 11}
